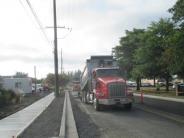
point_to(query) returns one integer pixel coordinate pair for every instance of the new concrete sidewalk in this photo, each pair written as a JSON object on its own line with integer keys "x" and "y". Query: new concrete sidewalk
{"x": 15, "y": 124}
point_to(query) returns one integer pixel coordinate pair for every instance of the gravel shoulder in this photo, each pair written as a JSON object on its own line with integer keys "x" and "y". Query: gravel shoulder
{"x": 27, "y": 100}
{"x": 48, "y": 123}
{"x": 85, "y": 126}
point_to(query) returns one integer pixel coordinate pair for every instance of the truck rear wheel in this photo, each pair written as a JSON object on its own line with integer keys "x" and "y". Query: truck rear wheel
{"x": 84, "y": 98}
{"x": 96, "y": 105}
{"x": 128, "y": 106}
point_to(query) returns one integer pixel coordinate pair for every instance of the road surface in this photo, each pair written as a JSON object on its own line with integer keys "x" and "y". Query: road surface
{"x": 137, "y": 123}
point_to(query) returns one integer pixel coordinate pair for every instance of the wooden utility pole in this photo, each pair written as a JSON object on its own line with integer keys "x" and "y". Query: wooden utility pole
{"x": 35, "y": 77}
{"x": 61, "y": 61}
{"x": 55, "y": 50}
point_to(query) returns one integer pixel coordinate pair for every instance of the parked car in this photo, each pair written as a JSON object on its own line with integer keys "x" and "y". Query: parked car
{"x": 39, "y": 88}
{"x": 175, "y": 84}
{"x": 131, "y": 84}
{"x": 146, "y": 84}
{"x": 33, "y": 88}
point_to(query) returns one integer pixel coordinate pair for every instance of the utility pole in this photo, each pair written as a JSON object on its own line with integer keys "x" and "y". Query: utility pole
{"x": 35, "y": 77}
{"x": 55, "y": 50}
{"x": 61, "y": 61}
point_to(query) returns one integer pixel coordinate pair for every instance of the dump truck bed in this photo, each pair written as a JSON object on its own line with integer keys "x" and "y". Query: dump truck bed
{"x": 95, "y": 62}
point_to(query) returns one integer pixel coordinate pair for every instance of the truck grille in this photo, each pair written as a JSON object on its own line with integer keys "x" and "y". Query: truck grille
{"x": 116, "y": 90}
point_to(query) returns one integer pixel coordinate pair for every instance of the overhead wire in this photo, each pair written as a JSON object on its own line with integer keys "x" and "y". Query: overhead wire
{"x": 26, "y": 11}
{"x": 66, "y": 13}
{"x": 37, "y": 19}
{"x": 71, "y": 11}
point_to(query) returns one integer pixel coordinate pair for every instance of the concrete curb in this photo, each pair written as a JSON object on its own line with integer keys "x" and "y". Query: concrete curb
{"x": 62, "y": 132}
{"x": 161, "y": 98}
{"x": 68, "y": 127}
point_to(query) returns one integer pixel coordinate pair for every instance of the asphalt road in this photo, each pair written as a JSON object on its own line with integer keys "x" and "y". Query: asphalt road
{"x": 137, "y": 123}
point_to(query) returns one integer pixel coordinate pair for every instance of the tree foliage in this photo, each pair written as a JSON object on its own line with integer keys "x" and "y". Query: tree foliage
{"x": 125, "y": 51}
{"x": 154, "y": 52}
{"x": 178, "y": 38}
{"x": 50, "y": 80}
{"x": 154, "y": 56}
{"x": 178, "y": 12}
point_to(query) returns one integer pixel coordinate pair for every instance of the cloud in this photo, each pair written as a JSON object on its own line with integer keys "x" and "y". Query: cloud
{"x": 16, "y": 47}
{"x": 26, "y": 58}
{"x": 97, "y": 26}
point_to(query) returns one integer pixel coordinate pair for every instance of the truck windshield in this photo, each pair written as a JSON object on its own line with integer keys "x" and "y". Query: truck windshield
{"x": 107, "y": 72}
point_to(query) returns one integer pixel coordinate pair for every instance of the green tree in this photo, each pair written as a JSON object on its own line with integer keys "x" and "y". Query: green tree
{"x": 125, "y": 51}
{"x": 153, "y": 58}
{"x": 50, "y": 80}
{"x": 178, "y": 12}
{"x": 176, "y": 53}
{"x": 178, "y": 39}
{"x": 63, "y": 79}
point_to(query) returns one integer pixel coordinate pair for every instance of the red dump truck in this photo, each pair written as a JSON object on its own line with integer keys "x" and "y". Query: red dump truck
{"x": 101, "y": 83}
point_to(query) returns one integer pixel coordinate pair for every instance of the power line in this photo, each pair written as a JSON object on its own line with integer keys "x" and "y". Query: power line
{"x": 69, "y": 29}
{"x": 36, "y": 18}
{"x": 27, "y": 13}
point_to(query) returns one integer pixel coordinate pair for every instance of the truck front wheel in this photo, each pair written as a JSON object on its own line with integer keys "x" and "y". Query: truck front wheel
{"x": 96, "y": 105}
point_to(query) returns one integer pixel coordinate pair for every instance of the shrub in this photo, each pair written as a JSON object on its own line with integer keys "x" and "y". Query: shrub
{"x": 8, "y": 97}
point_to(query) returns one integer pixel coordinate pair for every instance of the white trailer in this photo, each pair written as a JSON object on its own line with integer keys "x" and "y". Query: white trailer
{"x": 23, "y": 85}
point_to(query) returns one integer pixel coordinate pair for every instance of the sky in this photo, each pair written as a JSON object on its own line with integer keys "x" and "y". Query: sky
{"x": 96, "y": 26}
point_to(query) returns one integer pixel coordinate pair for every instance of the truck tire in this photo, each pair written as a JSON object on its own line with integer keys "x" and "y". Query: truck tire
{"x": 128, "y": 106}
{"x": 84, "y": 98}
{"x": 80, "y": 97}
{"x": 96, "y": 105}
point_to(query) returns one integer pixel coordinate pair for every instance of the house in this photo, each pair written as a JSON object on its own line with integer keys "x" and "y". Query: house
{"x": 23, "y": 85}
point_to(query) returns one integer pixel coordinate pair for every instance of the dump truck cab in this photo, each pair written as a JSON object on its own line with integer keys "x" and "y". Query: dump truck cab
{"x": 102, "y": 84}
